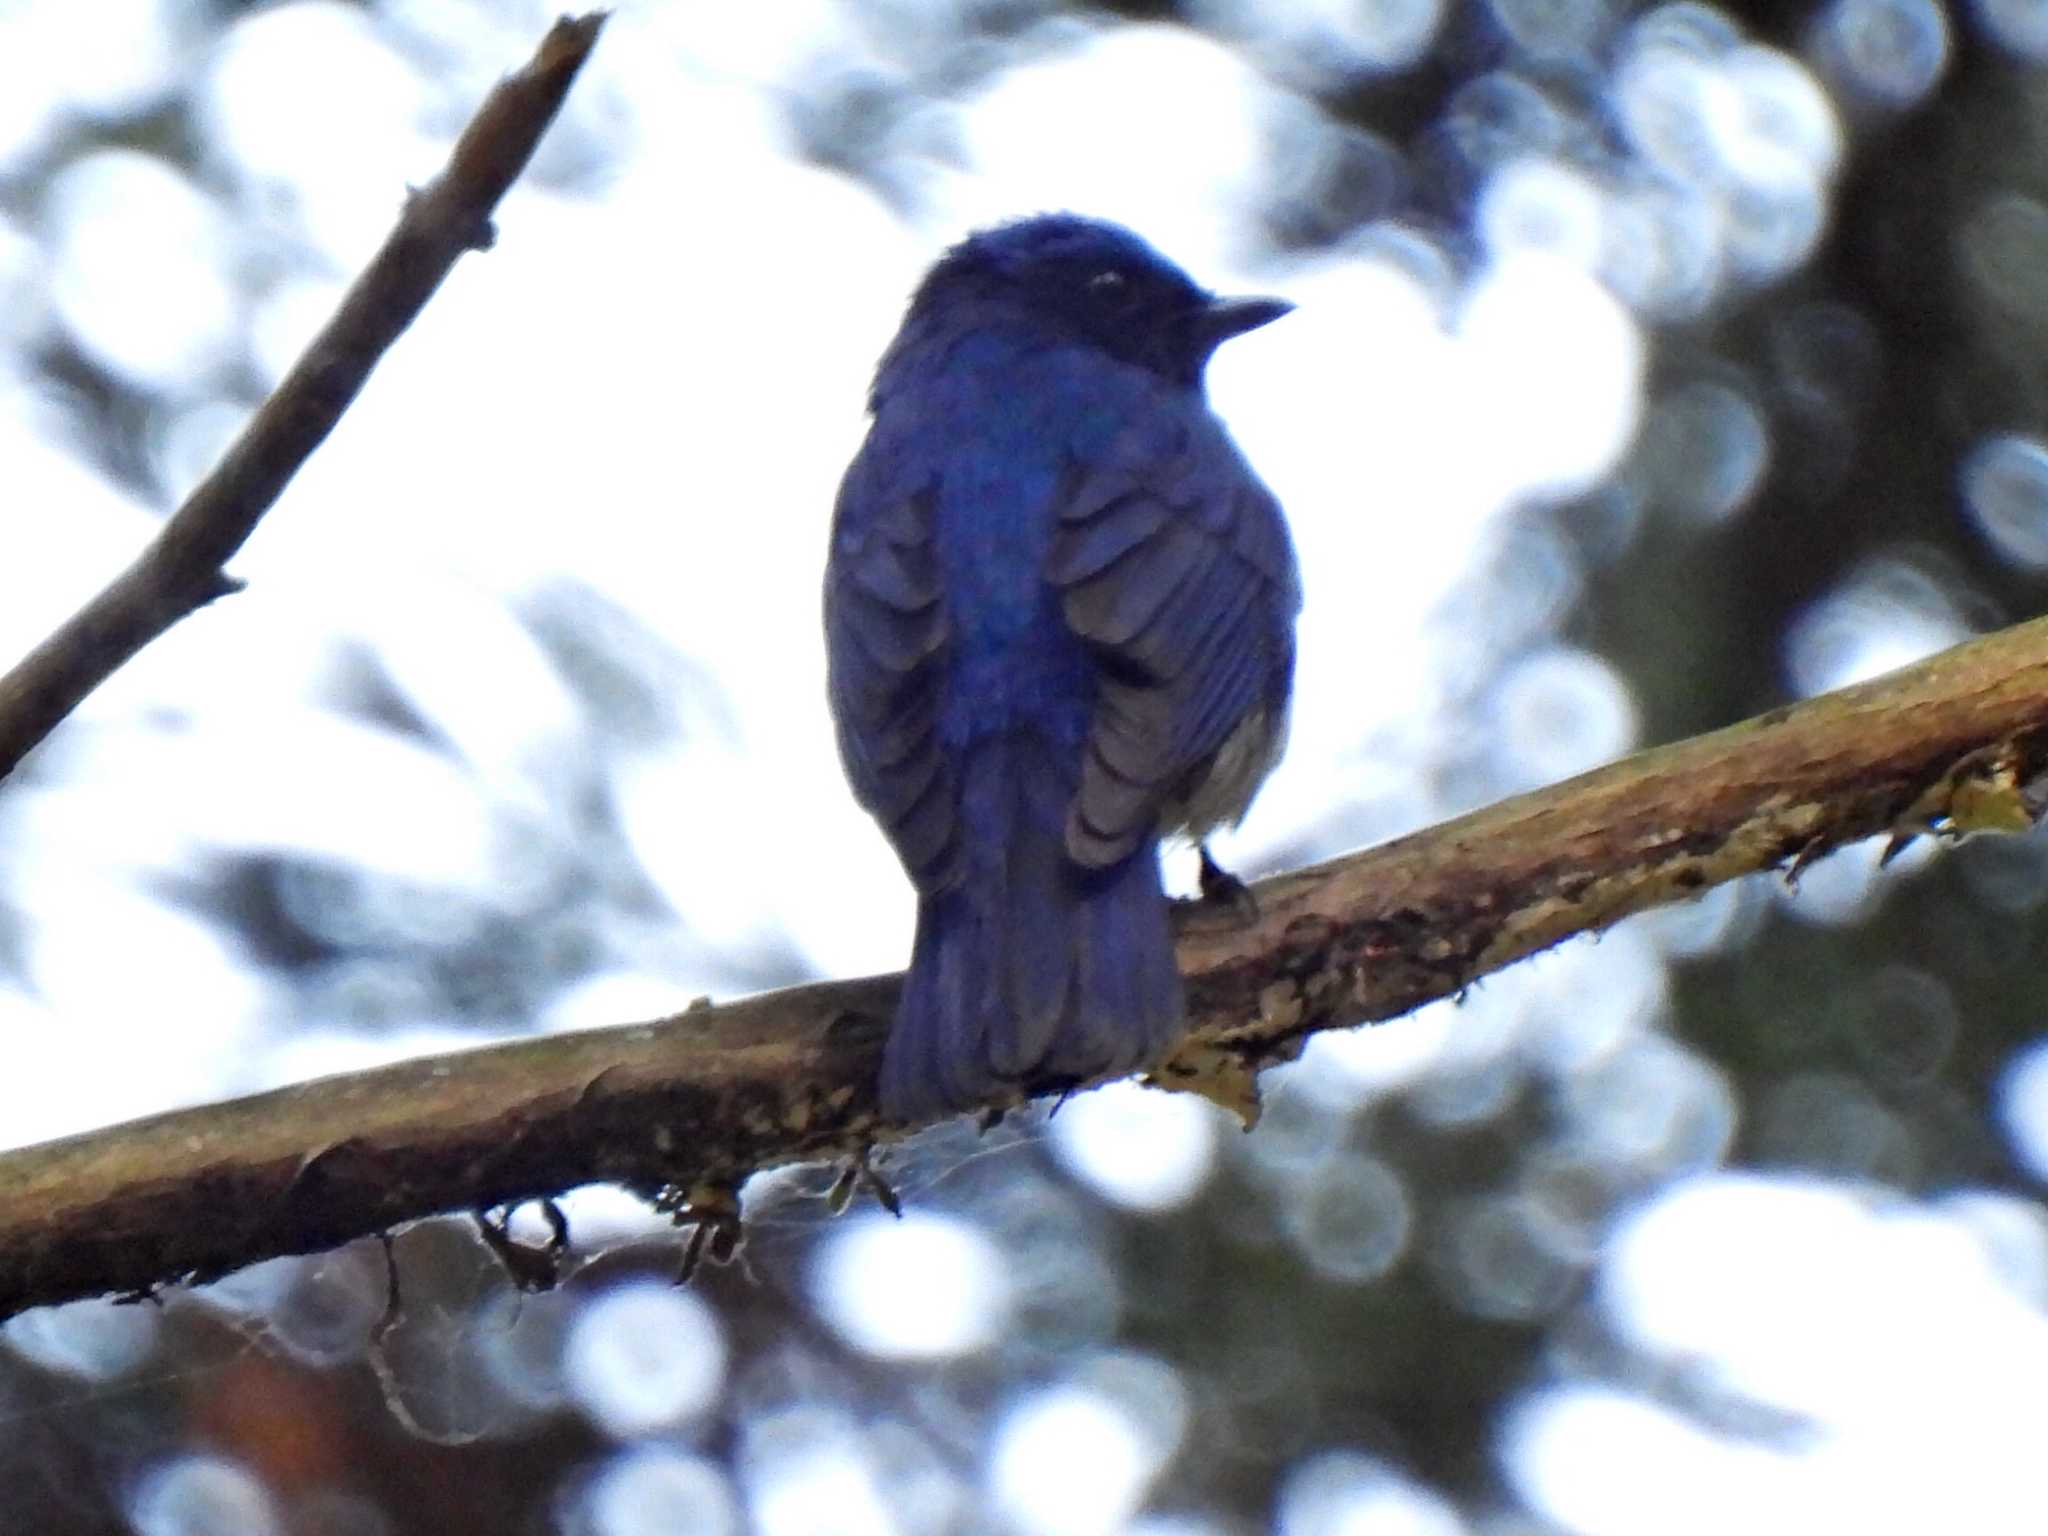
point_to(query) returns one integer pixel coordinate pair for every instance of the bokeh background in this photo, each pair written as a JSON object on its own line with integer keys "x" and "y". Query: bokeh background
{"x": 1654, "y": 365}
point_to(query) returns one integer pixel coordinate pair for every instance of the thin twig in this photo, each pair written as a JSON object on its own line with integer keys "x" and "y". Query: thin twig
{"x": 181, "y": 570}
{"x": 690, "y": 1105}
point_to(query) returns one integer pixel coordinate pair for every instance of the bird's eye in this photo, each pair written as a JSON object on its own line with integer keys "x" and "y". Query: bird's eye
{"x": 1107, "y": 285}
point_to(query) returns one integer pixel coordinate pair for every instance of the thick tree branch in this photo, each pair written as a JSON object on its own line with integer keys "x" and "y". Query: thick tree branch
{"x": 696, "y": 1102}
{"x": 181, "y": 570}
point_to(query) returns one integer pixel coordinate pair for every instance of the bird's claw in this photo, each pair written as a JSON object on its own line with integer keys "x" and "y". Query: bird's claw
{"x": 1222, "y": 889}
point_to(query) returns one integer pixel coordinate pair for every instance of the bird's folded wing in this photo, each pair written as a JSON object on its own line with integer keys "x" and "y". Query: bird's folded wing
{"x": 1178, "y": 575}
{"x": 885, "y": 628}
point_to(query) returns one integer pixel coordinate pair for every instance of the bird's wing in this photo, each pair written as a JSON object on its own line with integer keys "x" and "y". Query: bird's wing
{"x": 885, "y": 638}
{"x": 1176, "y": 570}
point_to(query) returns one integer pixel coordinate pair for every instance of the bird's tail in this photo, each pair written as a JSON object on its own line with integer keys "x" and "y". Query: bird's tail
{"x": 1030, "y": 963}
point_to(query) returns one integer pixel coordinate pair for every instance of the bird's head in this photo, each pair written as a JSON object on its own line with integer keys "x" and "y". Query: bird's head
{"x": 1095, "y": 282}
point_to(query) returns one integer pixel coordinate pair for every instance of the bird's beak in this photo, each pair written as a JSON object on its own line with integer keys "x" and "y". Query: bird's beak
{"x": 1225, "y": 318}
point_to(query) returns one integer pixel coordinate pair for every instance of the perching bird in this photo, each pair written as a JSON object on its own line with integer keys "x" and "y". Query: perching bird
{"x": 1059, "y": 616}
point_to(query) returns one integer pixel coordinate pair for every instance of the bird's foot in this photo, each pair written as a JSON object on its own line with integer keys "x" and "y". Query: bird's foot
{"x": 1223, "y": 890}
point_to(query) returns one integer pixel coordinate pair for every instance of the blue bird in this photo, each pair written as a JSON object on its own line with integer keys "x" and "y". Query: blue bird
{"x": 1059, "y": 620}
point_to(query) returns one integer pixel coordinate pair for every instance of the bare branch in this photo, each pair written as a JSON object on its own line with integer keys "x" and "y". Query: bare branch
{"x": 694, "y": 1103}
{"x": 180, "y": 571}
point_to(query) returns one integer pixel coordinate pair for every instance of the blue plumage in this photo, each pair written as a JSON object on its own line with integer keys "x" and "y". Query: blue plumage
{"x": 1059, "y": 618}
